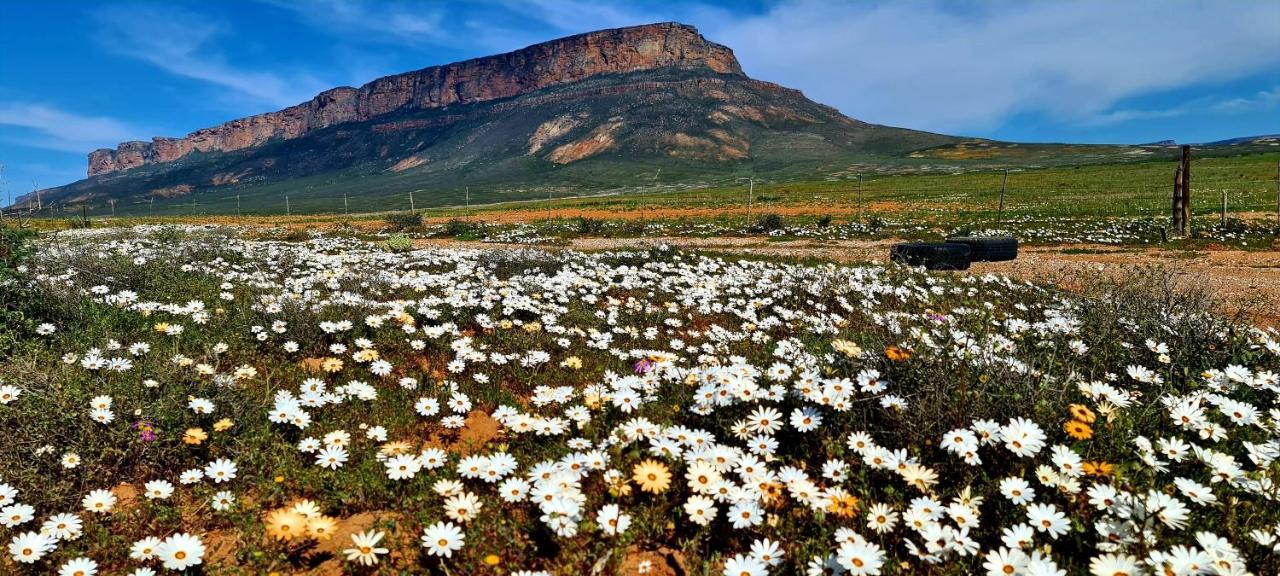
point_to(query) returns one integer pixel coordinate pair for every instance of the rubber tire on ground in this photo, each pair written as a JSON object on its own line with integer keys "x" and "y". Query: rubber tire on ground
{"x": 989, "y": 249}
{"x": 931, "y": 255}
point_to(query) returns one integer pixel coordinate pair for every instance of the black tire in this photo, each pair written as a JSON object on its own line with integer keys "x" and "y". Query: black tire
{"x": 989, "y": 249}
{"x": 931, "y": 255}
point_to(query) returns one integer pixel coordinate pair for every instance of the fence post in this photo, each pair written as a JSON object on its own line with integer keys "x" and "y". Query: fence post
{"x": 1176, "y": 222}
{"x": 1278, "y": 196}
{"x": 751, "y": 190}
{"x": 287, "y": 211}
{"x": 862, "y": 207}
{"x": 411, "y": 209}
{"x": 1004, "y": 185}
{"x": 1223, "y": 220}
{"x": 1186, "y": 188}
{"x": 344, "y": 204}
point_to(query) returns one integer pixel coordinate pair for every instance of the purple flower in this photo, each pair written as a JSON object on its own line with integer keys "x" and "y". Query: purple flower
{"x": 643, "y": 365}
{"x": 146, "y": 431}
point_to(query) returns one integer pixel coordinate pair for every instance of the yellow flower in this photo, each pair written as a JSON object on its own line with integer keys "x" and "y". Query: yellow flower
{"x": 573, "y": 362}
{"x": 331, "y": 365}
{"x": 532, "y": 327}
{"x": 161, "y": 327}
{"x": 1082, "y": 413}
{"x": 652, "y": 476}
{"x": 492, "y": 559}
{"x": 223, "y": 425}
{"x": 286, "y": 524}
{"x": 194, "y": 436}
{"x": 1078, "y": 430}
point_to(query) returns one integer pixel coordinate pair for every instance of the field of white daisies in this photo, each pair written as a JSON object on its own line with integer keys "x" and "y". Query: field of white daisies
{"x": 218, "y": 401}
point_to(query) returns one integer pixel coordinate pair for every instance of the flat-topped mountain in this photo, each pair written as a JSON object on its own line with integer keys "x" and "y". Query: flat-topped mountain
{"x": 539, "y": 66}
{"x": 652, "y": 105}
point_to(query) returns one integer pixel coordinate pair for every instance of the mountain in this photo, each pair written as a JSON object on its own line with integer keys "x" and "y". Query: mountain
{"x": 640, "y": 108}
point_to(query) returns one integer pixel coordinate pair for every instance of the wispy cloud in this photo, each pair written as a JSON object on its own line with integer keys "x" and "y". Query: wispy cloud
{"x": 184, "y": 43}
{"x": 55, "y": 129}
{"x": 1259, "y": 101}
{"x": 955, "y": 67}
{"x": 1262, "y": 100}
{"x": 374, "y": 21}
{"x": 951, "y": 66}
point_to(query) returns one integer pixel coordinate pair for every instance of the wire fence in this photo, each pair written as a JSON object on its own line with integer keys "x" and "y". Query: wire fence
{"x": 1228, "y": 191}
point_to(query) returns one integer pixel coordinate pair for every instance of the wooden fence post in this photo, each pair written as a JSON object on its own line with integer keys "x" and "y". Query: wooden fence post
{"x": 1004, "y": 185}
{"x": 1176, "y": 222}
{"x": 1223, "y": 220}
{"x": 1186, "y": 189}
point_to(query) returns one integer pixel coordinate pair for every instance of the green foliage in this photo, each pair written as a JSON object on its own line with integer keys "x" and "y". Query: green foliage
{"x": 823, "y": 221}
{"x": 16, "y": 249}
{"x": 461, "y": 229}
{"x": 589, "y": 226}
{"x": 769, "y": 223}
{"x": 79, "y": 222}
{"x": 400, "y": 221}
{"x": 398, "y": 243}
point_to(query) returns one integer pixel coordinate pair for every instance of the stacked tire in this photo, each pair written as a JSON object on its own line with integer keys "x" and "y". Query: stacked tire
{"x": 956, "y": 253}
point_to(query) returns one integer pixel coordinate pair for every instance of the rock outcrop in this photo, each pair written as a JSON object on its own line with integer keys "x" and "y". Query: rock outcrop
{"x": 563, "y": 61}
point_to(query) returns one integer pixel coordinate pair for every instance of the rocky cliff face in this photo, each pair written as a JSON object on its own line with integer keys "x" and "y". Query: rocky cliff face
{"x": 539, "y": 66}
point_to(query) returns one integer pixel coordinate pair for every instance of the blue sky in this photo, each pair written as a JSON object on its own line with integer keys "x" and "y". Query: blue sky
{"x": 78, "y": 75}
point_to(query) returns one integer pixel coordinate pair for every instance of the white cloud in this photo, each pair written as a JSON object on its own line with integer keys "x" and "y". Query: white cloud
{"x": 55, "y": 129}
{"x": 181, "y": 43}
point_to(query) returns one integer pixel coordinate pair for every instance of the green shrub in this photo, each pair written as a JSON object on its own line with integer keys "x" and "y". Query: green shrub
{"x": 404, "y": 220}
{"x": 398, "y": 243}
{"x": 459, "y": 228}
{"x": 589, "y": 225}
{"x": 769, "y": 223}
{"x": 824, "y": 221}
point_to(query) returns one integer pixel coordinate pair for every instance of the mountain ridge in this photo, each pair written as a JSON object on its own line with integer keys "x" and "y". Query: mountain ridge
{"x": 542, "y": 65}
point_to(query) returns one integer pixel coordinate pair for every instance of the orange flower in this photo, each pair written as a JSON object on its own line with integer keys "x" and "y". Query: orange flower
{"x": 843, "y": 505}
{"x": 1098, "y": 468}
{"x": 194, "y": 436}
{"x": 1078, "y": 430}
{"x": 1082, "y": 413}
{"x": 223, "y": 425}
{"x": 896, "y": 353}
